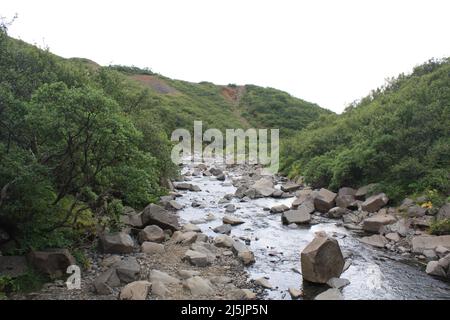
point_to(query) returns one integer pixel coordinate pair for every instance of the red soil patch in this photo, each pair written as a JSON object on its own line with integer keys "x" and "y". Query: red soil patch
{"x": 155, "y": 83}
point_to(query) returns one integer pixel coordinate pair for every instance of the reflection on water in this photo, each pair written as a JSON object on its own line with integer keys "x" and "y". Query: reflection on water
{"x": 373, "y": 273}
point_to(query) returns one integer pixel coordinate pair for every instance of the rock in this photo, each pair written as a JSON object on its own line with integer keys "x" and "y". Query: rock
{"x": 189, "y": 227}
{"x": 133, "y": 220}
{"x": 159, "y": 276}
{"x": 13, "y": 266}
{"x": 264, "y": 187}
{"x": 240, "y": 192}
{"x": 345, "y": 191}
{"x": 152, "y": 248}
{"x": 152, "y": 233}
{"x": 338, "y": 283}
{"x": 299, "y": 216}
{"x": 223, "y": 229}
{"x": 422, "y": 222}
{"x": 137, "y": 290}
{"x": 441, "y": 251}
{"x": 322, "y": 260}
{"x": 247, "y": 257}
{"x": 196, "y": 258}
{"x": 210, "y": 217}
{"x": 232, "y": 220}
{"x": 337, "y": 212}
{"x": 215, "y": 171}
{"x": 186, "y": 274}
{"x": 290, "y": 186}
{"x": 185, "y": 238}
{"x": 244, "y": 294}
{"x": 202, "y": 167}
{"x": 444, "y": 212}
{"x": 279, "y": 208}
{"x": 221, "y": 177}
{"x": 230, "y": 208}
{"x": 393, "y": 236}
{"x": 434, "y": 269}
{"x": 154, "y": 214}
{"x": 430, "y": 254}
{"x": 362, "y": 192}
{"x": 324, "y": 200}
{"x": 416, "y": 211}
{"x": 277, "y": 194}
{"x": 224, "y": 241}
{"x": 174, "y": 205}
{"x": 330, "y": 294}
{"x": 186, "y": 186}
{"x": 375, "y": 240}
{"x": 295, "y": 293}
{"x": 196, "y": 204}
{"x": 199, "y": 286}
{"x": 52, "y": 262}
{"x": 345, "y": 201}
{"x": 263, "y": 282}
{"x": 109, "y": 261}
{"x": 159, "y": 289}
{"x": 421, "y": 243}
{"x": 445, "y": 262}
{"x": 128, "y": 269}
{"x": 118, "y": 242}
{"x": 375, "y": 202}
{"x": 104, "y": 283}
{"x": 375, "y": 223}
{"x": 401, "y": 227}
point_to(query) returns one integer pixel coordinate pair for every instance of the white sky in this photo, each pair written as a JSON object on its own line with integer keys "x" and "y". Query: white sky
{"x": 327, "y": 52}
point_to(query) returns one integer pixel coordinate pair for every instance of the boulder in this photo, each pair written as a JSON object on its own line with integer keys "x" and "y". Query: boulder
{"x": 220, "y": 177}
{"x": 375, "y": 202}
{"x": 232, "y": 220}
{"x": 263, "y": 282}
{"x": 133, "y": 220}
{"x": 199, "y": 286}
{"x": 240, "y": 192}
{"x": 277, "y": 193}
{"x": 13, "y": 266}
{"x": 375, "y": 223}
{"x": 421, "y": 243}
{"x": 246, "y": 257}
{"x": 159, "y": 290}
{"x": 393, "y": 236}
{"x": 52, "y": 262}
{"x": 375, "y": 240}
{"x": 264, "y": 187}
{"x": 230, "y": 208}
{"x": 362, "y": 192}
{"x": 187, "y": 186}
{"x": 330, "y": 294}
{"x": 104, "y": 283}
{"x": 296, "y": 216}
{"x": 444, "y": 212}
{"x": 196, "y": 258}
{"x": 345, "y": 191}
{"x": 279, "y": 208}
{"x": 128, "y": 269}
{"x": 223, "y": 241}
{"x": 290, "y": 186}
{"x": 215, "y": 171}
{"x": 157, "y": 215}
{"x": 337, "y": 212}
{"x": 190, "y": 227}
{"x": 159, "y": 276}
{"x": 324, "y": 200}
{"x": 416, "y": 211}
{"x": 445, "y": 262}
{"x": 137, "y": 290}
{"x": 152, "y": 233}
{"x": 186, "y": 274}
{"x": 401, "y": 227}
{"x": 223, "y": 229}
{"x": 152, "y": 248}
{"x": 185, "y": 238}
{"x": 435, "y": 269}
{"x": 173, "y": 205}
{"x": 118, "y": 242}
{"x": 322, "y": 260}
{"x": 295, "y": 293}
{"x": 345, "y": 201}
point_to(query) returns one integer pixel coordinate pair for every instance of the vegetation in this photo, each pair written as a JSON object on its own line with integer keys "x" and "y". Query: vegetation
{"x": 398, "y": 136}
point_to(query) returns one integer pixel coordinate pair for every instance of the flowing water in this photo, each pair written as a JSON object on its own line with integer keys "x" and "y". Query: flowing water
{"x": 373, "y": 273}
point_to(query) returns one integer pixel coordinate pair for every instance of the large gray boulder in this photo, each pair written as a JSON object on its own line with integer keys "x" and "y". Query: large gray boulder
{"x": 52, "y": 262}
{"x": 375, "y": 240}
{"x": 324, "y": 200}
{"x": 151, "y": 233}
{"x": 296, "y": 216}
{"x": 264, "y": 187}
{"x": 108, "y": 280}
{"x": 421, "y": 243}
{"x": 290, "y": 186}
{"x": 375, "y": 202}
{"x": 444, "y": 212}
{"x": 435, "y": 269}
{"x": 199, "y": 286}
{"x": 157, "y": 215}
{"x": 118, "y": 242}
{"x": 375, "y": 223}
{"x": 128, "y": 269}
{"x": 322, "y": 260}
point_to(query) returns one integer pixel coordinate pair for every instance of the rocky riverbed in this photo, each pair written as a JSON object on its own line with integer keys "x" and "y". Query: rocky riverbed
{"x": 233, "y": 232}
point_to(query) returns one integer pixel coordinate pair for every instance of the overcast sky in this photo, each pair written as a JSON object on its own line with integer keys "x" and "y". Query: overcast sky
{"x": 327, "y": 52}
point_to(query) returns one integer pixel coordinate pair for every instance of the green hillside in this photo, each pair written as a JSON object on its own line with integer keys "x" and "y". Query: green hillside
{"x": 398, "y": 136}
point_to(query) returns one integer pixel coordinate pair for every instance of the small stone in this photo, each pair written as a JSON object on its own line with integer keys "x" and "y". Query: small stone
{"x": 263, "y": 282}
{"x": 137, "y": 290}
{"x": 295, "y": 293}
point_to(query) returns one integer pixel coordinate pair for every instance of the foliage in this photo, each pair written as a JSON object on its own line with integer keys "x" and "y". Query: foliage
{"x": 440, "y": 227}
{"x": 398, "y": 136}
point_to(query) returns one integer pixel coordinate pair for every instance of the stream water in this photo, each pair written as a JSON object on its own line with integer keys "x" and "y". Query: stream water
{"x": 373, "y": 273}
